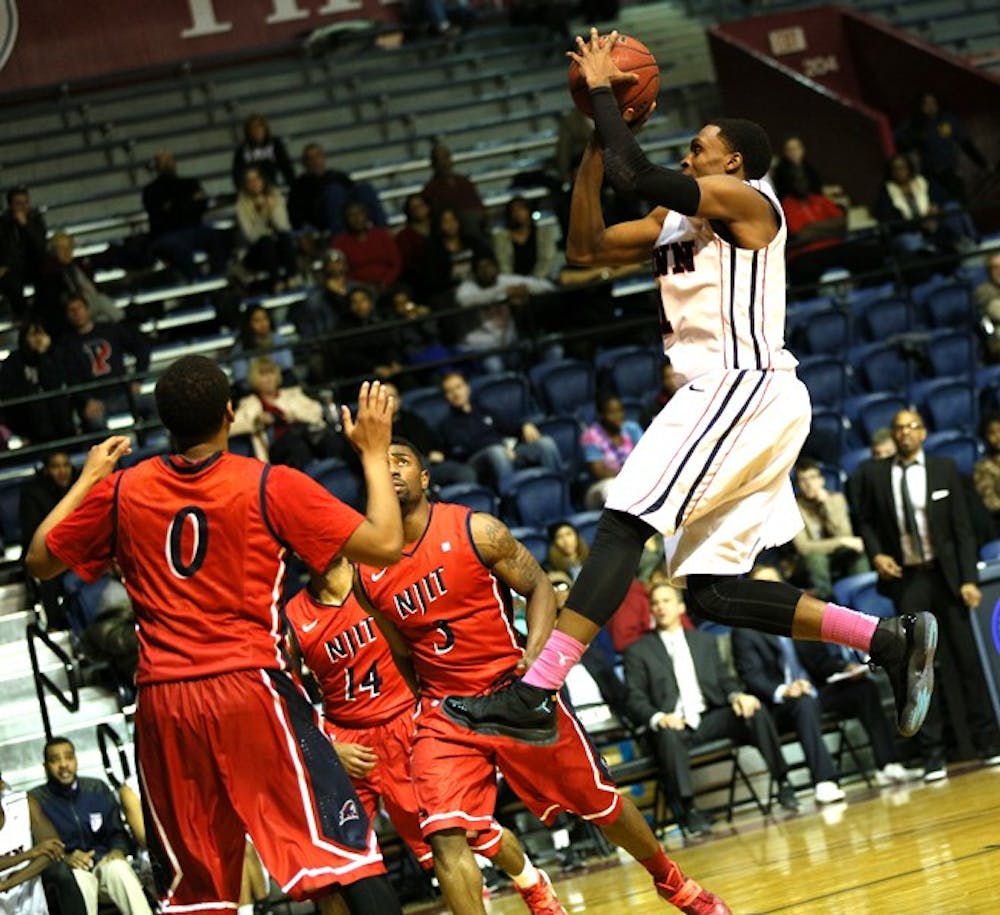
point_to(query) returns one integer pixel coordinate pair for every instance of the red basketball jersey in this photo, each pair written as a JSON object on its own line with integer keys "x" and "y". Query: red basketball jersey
{"x": 454, "y": 613}
{"x": 351, "y": 659}
{"x": 202, "y": 551}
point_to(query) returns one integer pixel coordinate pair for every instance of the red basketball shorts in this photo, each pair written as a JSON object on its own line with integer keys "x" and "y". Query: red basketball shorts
{"x": 391, "y": 779}
{"x": 454, "y": 774}
{"x": 242, "y": 753}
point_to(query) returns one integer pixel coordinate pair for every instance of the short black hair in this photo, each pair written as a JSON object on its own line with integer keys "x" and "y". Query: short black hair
{"x": 406, "y": 443}
{"x": 55, "y": 742}
{"x": 15, "y": 191}
{"x": 805, "y": 464}
{"x": 750, "y": 140}
{"x": 191, "y": 398}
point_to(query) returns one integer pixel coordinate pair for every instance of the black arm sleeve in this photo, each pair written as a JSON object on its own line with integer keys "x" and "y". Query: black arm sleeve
{"x": 627, "y": 167}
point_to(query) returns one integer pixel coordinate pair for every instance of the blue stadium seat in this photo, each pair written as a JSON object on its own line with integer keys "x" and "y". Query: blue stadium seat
{"x": 428, "y": 403}
{"x": 859, "y": 593}
{"x": 875, "y": 411}
{"x": 565, "y": 386}
{"x": 535, "y": 541}
{"x": 505, "y": 396}
{"x": 827, "y": 434}
{"x": 826, "y": 333}
{"x": 880, "y": 367}
{"x": 338, "y": 479}
{"x": 952, "y": 353}
{"x": 585, "y": 524}
{"x": 990, "y": 551}
{"x": 826, "y": 379}
{"x": 852, "y": 459}
{"x": 962, "y": 448}
{"x": 537, "y": 497}
{"x": 473, "y": 495}
{"x": 950, "y": 305}
{"x": 947, "y": 403}
{"x": 633, "y": 371}
{"x": 565, "y": 432}
{"x": 887, "y": 318}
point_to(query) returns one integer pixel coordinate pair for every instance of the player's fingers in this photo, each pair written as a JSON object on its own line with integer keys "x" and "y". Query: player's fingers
{"x": 346, "y": 420}
{"x": 363, "y": 394}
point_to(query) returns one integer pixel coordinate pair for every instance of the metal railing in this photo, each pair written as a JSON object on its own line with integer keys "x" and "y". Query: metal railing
{"x": 108, "y": 735}
{"x": 44, "y": 683}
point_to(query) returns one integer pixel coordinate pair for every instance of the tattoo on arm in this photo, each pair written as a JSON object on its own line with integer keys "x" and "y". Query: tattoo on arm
{"x": 505, "y": 555}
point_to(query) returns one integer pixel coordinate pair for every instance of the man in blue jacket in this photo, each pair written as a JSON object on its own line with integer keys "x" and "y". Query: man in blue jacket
{"x": 88, "y": 819}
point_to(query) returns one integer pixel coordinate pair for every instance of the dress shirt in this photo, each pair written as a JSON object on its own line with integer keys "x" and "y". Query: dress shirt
{"x": 916, "y": 478}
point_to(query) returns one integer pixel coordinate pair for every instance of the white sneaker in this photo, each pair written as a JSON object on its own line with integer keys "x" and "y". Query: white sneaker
{"x": 828, "y": 793}
{"x": 895, "y": 774}
{"x": 992, "y": 760}
{"x": 935, "y": 775}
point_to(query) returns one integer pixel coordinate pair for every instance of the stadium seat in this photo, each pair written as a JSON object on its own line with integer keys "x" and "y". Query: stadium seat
{"x": 472, "y": 495}
{"x": 827, "y": 434}
{"x": 859, "y": 592}
{"x": 853, "y": 458}
{"x": 962, "y": 448}
{"x": 990, "y": 551}
{"x": 952, "y": 353}
{"x": 565, "y": 432}
{"x": 876, "y": 411}
{"x": 826, "y": 379}
{"x": 505, "y": 396}
{"x": 947, "y": 403}
{"x": 950, "y": 305}
{"x": 633, "y": 371}
{"x": 535, "y": 541}
{"x": 826, "y": 333}
{"x": 887, "y": 318}
{"x": 565, "y": 386}
{"x": 880, "y": 367}
{"x": 338, "y": 479}
{"x": 538, "y": 497}
{"x": 585, "y": 524}
{"x": 428, "y": 403}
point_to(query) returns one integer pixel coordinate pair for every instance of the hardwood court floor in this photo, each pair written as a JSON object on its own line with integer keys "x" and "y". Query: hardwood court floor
{"x": 919, "y": 850}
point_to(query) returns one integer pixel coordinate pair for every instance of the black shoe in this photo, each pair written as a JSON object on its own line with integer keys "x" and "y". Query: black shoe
{"x": 570, "y": 860}
{"x": 526, "y": 713}
{"x": 904, "y": 646}
{"x": 695, "y": 823}
{"x": 786, "y": 797}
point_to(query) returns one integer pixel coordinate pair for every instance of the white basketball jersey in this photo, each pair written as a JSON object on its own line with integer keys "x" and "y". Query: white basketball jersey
{"x": 28, "y": 898}
{"x": 723, "y": 307}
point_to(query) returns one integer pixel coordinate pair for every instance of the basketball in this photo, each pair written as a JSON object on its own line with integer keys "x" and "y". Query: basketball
{"x": 631, "y": 56}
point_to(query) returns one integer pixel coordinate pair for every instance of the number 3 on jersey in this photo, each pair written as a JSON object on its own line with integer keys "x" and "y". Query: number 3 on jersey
{"x": 370, "y": 683}
{"x": 190, "y": 524}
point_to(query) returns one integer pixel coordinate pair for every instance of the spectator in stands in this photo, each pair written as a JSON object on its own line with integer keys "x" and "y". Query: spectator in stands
{"x": 448, "y": 190}
{"x": 262, "y": 151}
{"x": 411, "y": 426}
{"x": 93, "y": 351}
{"x": 264, "y": 225}
{"x": 176, "y": 208}
{"x": 817, "y": 225}
{"x": 419, "y": 339}
{"x": 258, "y": 337}
{"x": 372, "y": 255}
{"x": 32, "y": 866}
{"x": 523, "y": 246}
{"x": 680, "y": 687}
{"x": 915, "y": 523}
{"x": 669, "y": 383}
{"x": 285, "y": 424}
{"x": 606, "y": 443}
{"x": 412, "y": 238}
{"x": 367, "y": 351}
{"x": 633, "y": 619}
{"x": 567, "y": 549}
{"x": 38, "y": 496}
{"x": 317, "y": 197}
{"x": 22, "y": 248}
{"x": 62, "y": 276}
{"x": 936, "y": 138}
{"x": 575, "y": 131}
{"x": 326, "y": 299}
{"x": 827, "y": 544}
{"x": 443, "y": 17}
{"x": 986, "y": 473}
{"x": 770, "y": 668}
{"x": 920, "y": 217}
{"x": 88, "y": 819}
{"x": 34, "y": 367}
{"x": 447, "y": 259}
{"x": 987, "y": 295}
{"x": 493, "y": 449}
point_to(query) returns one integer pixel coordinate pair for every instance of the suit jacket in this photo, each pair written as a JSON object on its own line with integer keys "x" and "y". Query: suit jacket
{"x": 948, "y": 522}
{"x": 759, "y": 662}
{"x": 649, "y": 674}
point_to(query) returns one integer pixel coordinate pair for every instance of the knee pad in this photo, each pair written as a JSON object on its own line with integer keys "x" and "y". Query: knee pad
{"x": 768, "y": 606}
{"x": 607, "y": 574}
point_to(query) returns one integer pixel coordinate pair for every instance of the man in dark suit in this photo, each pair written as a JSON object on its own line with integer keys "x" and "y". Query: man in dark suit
{"x": 915, "y": 524}
{"x": 678, "y": 685}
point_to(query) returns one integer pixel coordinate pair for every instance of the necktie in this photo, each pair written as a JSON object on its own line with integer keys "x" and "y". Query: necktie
{"x": 692, "y": 702}
{"x": 910, "y": 516}
{"x": 793, "y": 667}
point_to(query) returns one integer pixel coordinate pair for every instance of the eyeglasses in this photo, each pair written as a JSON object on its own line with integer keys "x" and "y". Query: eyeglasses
{"x": 911, "y": 426}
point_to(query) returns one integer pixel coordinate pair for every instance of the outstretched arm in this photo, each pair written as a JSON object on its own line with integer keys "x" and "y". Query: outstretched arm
{"x": 519, "y": 569}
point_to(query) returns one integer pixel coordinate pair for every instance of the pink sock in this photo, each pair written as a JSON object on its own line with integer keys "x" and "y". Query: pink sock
{"x": 560, "y": 653}
{"x": 848, "y": 627}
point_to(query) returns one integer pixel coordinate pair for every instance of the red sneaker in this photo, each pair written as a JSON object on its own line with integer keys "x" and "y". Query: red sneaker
{"x": 693, "y": 900}
{"x": 541, "y": 899}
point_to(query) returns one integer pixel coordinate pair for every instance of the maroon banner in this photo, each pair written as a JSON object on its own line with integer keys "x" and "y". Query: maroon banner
{"x": 46, "y": 42}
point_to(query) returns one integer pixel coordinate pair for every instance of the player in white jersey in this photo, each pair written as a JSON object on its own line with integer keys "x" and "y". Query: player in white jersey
{"x": 712, "y": 471}
{"x": 21, "y": 861}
